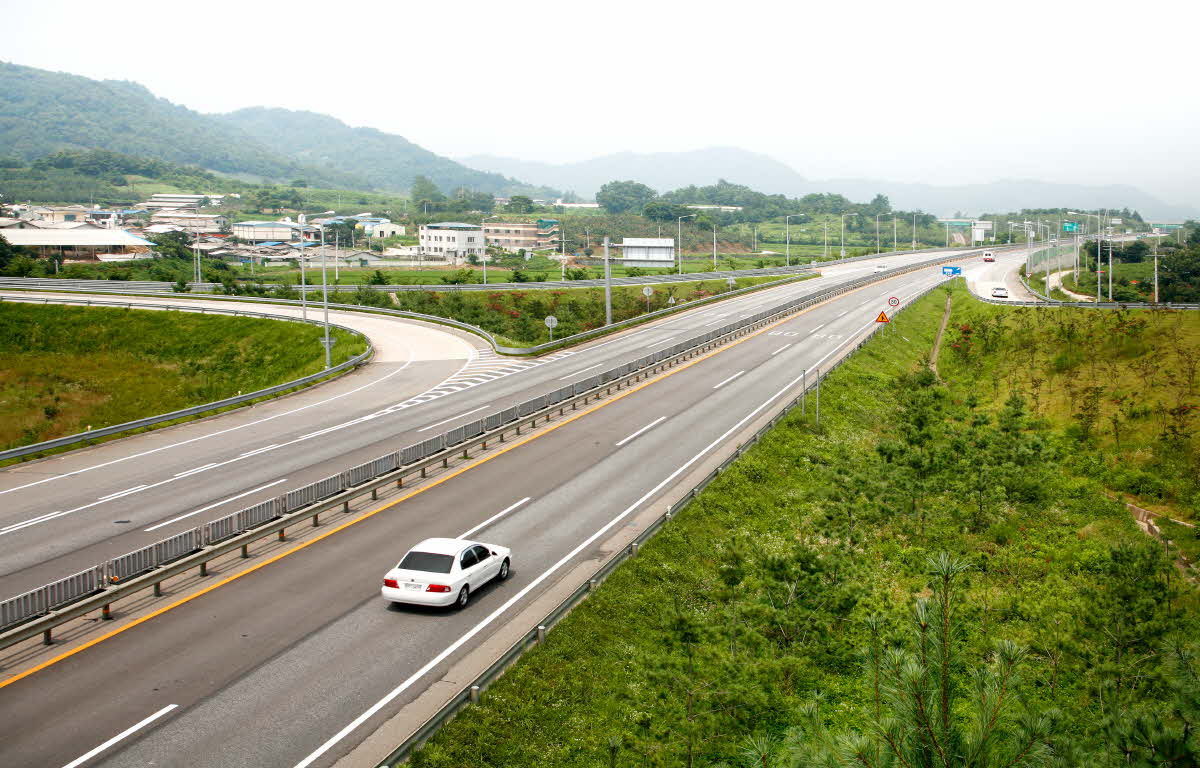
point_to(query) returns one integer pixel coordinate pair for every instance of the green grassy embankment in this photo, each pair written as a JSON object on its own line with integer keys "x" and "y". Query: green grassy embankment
{"x": 518, "y": 316}
{"x": 755, "y": 603}
{"x": 63, "y": 369}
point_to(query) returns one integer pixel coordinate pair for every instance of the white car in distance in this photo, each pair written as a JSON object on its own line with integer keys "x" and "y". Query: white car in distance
{"x": 1000, "y": 293}
{"x": 443, "y": 572}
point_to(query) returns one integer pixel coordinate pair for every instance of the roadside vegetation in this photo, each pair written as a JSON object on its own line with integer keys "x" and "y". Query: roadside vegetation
{"x": 935, "y": 575}
{"x": 518, "y": 316}
{"x": 1133, "y": 270}
{"x": 64, "y": 370}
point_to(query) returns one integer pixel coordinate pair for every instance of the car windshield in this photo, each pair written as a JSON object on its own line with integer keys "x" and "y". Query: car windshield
{"x": 427, "y": 561}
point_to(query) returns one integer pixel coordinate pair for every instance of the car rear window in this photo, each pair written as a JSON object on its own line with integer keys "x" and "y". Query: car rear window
{"x": 427, "y": 561}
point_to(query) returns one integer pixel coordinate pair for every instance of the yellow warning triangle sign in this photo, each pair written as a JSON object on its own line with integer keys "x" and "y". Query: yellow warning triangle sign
{"x": 883, "y": 318}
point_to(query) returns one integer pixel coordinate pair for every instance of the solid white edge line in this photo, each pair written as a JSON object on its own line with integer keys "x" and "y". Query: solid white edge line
{"x": 123, "y": 734}
{"x": 452, "y": 418}
{"x": 643, "y": 429}
{"x": 374, "y": 708}
{"x": 731, "y": 378}
{"x": 212, "y": 506}
{"x": 492, "y": 519}
{"x": 581, "y": 370}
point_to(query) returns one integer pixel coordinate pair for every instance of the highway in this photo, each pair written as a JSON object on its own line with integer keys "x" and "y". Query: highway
{"x": 293, "y": 663}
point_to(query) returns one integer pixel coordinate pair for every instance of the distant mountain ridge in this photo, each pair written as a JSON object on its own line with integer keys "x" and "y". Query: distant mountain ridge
{"x": 384, "y": 160}
{"x": 665, "y": 171}
{"x": 42, "y": 112}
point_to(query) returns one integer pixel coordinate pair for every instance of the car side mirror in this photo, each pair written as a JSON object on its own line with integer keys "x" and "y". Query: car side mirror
{"x": 494, "y": 553}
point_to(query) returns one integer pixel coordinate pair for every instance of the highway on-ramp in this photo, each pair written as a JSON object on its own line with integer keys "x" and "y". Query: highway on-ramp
{"x": 293, "y": 662}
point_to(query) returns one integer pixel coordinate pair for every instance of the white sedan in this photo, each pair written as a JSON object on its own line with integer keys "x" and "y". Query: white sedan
{"x": 444, "y": 571}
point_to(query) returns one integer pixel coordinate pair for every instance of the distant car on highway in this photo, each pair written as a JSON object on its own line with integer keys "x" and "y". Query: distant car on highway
{"x": 987, "y": 256}
{"x": 880, "y": 267}
{"x": 443, "y": 572}
{"x": 1000, "y": 293}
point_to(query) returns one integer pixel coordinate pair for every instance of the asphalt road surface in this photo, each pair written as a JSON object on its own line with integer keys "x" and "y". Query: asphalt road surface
{"x": 291, "y": 664}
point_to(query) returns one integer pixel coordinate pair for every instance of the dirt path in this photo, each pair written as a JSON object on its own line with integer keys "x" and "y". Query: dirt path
{"x": 937, "y": 344}
{"x": 1056, "y": 282}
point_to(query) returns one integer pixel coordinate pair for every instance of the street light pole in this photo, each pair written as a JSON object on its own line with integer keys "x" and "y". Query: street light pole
{"x": 844, "y": 215}
{"x": 325, "y": 300}
{"x": 826, "y": 225}
{"x": 895, "y": 235}
{"x": 787, "y": 226}
{"x": 914, "y": 232}
{"x": 714, "y": 247}
{"x": 877, "y": 248}
{"x": 607, "y": 286}
{"x": 483, "y": 237}
{"x": 679, "y": 240}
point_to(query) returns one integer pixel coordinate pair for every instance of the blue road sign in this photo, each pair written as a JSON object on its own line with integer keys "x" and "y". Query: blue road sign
{"x": 951, "y": 270}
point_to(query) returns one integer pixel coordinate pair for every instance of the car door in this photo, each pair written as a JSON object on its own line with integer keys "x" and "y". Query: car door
{"x": 468, "y": 564}
{"x": 489, "y": 566}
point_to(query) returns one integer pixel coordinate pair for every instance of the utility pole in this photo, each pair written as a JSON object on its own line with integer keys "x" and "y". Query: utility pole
{"x": 303, "y": 287}
{"x": 895, "y": 235}
{"x": 607, "y": 286}
{"x": 914, "y": 232}
{"x": 877, "y": 248}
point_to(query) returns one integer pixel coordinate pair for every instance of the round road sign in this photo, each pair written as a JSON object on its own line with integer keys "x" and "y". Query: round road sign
{"x": 551, "y": 321}
{"x": 647, "y": 291}
{"x": 894, "y": 302}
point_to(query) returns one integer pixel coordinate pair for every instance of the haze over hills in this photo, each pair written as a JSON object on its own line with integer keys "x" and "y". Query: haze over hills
{"x": 42, "y": 112}
{"x": 384, "y": 160}
{"x": 671, "y": 170}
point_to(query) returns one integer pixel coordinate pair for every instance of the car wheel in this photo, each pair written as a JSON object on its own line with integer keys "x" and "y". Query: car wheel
{"x": 464, "y": 597}
{"x": 503, "y": 571}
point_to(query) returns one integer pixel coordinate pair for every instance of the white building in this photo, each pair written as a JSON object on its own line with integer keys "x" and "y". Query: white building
{"x": 649, "y": 251}
{"x": 270, "y": 231}
{"x": 452, "y": 240}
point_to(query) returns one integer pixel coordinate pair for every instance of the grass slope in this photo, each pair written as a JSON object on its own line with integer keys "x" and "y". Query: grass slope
{"x": 63, "y": 369}
{"x": 753, "y": 604}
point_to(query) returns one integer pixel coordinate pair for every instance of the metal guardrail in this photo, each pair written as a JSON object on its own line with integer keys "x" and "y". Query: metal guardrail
{"x": 472, "y": 691}
{"x": 25, "y": 617}
{"x": 195, "y": 410}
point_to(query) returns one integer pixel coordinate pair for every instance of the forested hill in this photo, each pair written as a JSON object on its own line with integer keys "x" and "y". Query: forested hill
{"x": 385, "y": 160}
{"x": 42, "y": 112}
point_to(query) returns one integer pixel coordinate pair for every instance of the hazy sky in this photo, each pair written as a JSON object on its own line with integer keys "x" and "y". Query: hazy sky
{"x": 937, "y": 92}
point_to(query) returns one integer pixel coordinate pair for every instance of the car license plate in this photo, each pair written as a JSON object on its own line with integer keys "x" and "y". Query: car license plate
{"x": 412, "y": 586}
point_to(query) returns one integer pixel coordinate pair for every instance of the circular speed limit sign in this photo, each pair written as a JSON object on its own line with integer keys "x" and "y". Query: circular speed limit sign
{"x": 893, "y": 302}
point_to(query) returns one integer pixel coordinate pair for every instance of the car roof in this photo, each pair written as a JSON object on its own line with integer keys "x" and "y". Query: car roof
{"x": 443, "y": 546}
